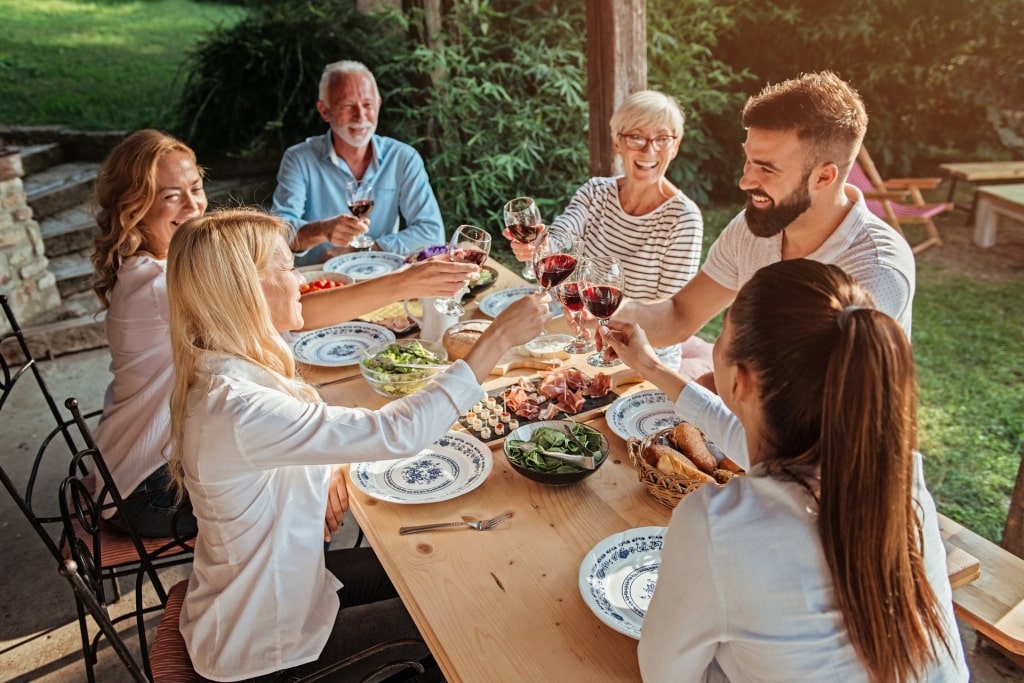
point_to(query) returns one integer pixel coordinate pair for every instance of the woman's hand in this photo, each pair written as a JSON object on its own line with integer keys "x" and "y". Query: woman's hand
{"x": 337, "y": 503}
{"x": 519, "y": 323}
{"x": 436, "y": 277}
{"x": 628, "y": 342}
{"x": 523, "y": 250}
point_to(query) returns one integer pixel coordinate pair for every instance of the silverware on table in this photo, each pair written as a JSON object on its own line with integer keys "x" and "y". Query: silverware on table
{"x": 479, "y": 525}
{"x": 335, "y": 381}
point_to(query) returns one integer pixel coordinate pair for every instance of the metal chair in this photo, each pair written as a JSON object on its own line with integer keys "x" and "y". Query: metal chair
{"x": 82, "y": 499}
{"x": 169, "y": 661}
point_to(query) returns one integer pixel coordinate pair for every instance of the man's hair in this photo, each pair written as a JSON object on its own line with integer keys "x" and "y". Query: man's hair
{"x": 337, "y": 70}
{"x": 827, "y": 115}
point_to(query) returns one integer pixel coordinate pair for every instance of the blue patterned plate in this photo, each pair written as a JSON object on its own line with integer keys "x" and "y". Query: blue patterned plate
{"x": 453, "y": 465}
{"x": 617, "y": 577}
{"x": 341, "y": 344}
{"x": 496, "y": 302}
{"x": 642, "y": 413}
{"x": 363, "y": 265}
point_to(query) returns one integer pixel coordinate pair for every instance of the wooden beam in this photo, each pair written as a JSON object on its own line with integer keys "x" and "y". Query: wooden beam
{"x": 616, "y": 68}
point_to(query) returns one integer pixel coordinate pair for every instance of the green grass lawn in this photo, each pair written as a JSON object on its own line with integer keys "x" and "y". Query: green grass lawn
{"x": 103, "y": 65}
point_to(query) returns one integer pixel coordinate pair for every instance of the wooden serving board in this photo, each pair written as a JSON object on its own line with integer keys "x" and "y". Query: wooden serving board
{"x": 592, "y": 406}
{"x": 519, "y": 358}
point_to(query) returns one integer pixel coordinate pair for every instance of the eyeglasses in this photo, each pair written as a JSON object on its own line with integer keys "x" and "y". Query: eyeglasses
{"x": 638, "y": 142}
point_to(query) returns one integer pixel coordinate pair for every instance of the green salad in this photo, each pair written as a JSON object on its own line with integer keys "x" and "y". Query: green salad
{"x": 486, "y": 277}
{"x": 391, "y": 380}
{"x": 552, "y": 439}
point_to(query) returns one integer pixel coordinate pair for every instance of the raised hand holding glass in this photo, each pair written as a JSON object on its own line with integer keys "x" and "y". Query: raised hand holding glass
{"x": 522, "y": 218}
{"x": 469, "y": 244}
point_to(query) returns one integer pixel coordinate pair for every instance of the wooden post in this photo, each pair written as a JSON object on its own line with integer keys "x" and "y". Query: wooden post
{"x": 616, "y": 68}
{"x": 1013, "y": 532}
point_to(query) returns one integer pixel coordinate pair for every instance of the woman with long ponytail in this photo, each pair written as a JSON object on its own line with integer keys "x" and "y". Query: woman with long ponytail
{"x": 825, "y": 562}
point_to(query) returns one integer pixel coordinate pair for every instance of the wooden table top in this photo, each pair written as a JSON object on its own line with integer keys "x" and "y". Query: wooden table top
{"x": 1009, "y": 194}
{"x": 974, "y": 171}
{"x": 505, "y": 605}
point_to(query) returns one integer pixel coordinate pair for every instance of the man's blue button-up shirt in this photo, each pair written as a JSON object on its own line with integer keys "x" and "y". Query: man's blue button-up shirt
{"x": 312, "y": 185}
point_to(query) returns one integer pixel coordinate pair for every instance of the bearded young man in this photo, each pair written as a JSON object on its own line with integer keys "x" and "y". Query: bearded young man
{"x": 803, "y": 136}
{"x": 312, "y": 182}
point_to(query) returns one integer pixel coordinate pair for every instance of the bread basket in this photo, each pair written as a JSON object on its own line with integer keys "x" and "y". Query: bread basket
{"x": 669, "y": 489}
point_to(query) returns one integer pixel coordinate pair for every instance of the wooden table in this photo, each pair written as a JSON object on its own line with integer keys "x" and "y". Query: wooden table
{"x": 994, "y": 201}
{"x": 471, "y": 593}
{"x": 982, "y": 172}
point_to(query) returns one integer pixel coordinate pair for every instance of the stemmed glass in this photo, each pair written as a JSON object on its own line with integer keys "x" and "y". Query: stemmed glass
{"x": 568, "y": 294}
{"x": 469, "y": 244}
{"x": 554, "y": 258}
{"x": 601, "y": 282}
{"x": 522, "y": 218}
{"x": 360, "y": 203}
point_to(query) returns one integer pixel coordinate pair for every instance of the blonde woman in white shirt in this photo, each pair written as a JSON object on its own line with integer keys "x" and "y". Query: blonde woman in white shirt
{"x": 256, "y": 449}
{"x": 825, "y": 562}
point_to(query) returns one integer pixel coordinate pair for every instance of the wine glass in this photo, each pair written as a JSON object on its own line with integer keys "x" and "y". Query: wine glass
{"x": 601, "y": 282}
{"x": 554, "y": 258}
{"x": 469, "y": 244}
{"x": 568, "y": 294}
{"x": 360, "y": 203}
{"x": 522, "y": 218}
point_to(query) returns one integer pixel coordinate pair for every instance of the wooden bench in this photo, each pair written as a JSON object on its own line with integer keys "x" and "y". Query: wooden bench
{"x": 994, "y": 201}
{"x": 992, "y": 604}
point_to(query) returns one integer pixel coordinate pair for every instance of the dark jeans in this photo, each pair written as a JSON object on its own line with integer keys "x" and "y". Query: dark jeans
{"x": 371, "y": 613}
{"x": 151, "y": 508}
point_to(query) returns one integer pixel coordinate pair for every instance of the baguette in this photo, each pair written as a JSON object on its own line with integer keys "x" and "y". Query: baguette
{"x": 690, "y": 441}
{"x": 670, "y": 461}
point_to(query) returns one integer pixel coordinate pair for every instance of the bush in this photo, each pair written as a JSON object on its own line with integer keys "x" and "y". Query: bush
{"x": 253, "y": 87}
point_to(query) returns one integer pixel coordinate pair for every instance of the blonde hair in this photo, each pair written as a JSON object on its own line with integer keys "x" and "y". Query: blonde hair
{"x": 126, "y": 188}
{"x": 648, "y": 109}
{"x": 851, "y": 411}
{"x": 214, "y": 267}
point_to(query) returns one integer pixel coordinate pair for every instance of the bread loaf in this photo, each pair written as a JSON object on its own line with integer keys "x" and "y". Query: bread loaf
{"x": 690, "y": 441}
{"x": 670, "y": 461}
{"x": 461, "y": 337}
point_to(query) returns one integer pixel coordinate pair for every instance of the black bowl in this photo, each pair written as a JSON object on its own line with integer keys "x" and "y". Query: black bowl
{"x": 553, "y": 478}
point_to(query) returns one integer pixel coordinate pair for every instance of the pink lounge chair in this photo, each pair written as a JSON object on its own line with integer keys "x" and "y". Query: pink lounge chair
{"x": 887, "y": 199}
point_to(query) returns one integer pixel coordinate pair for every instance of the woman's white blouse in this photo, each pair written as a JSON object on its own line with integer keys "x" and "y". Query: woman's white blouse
{"x": 744, "y": 592}
{"x": 257, "y": 463}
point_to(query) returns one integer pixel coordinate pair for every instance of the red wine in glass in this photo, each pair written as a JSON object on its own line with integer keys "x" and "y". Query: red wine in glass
{"x": 524, "y": 232}
{"x": 469, "y": 256}
{"x": 360, "y": 207}
{"x": 602, "y": 300}
{"x": 569, "y": 296}
{"x": 553, "y": 269}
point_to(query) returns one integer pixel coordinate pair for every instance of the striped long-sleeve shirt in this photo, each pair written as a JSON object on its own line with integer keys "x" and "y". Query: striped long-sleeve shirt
{"x": 659, "y": 251}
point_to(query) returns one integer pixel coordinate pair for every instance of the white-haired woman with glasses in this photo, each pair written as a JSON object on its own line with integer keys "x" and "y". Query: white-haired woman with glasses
{"x": 640, "y": 217}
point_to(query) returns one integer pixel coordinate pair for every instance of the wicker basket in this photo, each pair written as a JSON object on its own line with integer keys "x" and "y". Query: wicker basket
{"x": 669, "y": 489}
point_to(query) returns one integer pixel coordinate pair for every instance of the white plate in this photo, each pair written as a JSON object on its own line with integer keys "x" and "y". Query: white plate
{"x": 642, "y": 413}
{"x": 341, "y": 344}
{"x": 453, "y": 465}
{"x": 496, "y": 302}
{"x": 363, "y": 265}
{"x": 617, "y": 577}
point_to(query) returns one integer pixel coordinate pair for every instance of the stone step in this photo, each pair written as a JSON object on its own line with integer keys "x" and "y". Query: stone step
{"x": 36, "y": 158}
{"x": 59, "y": 187}
{"x": 77, "y": 325}
{"x": 73, "y": 272}
{"x": 69, "y": 230}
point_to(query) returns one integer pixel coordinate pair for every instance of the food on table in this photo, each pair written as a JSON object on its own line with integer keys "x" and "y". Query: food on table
{"x": 460, "y": 338}
{"x": 670, "y": 461}
{"x": 384, "y": 372}
{"x": 319, "y": 285}
{"x": 690, "y": 441}
{"x": 565, "y": 388}
{"x": 551, "y": 439}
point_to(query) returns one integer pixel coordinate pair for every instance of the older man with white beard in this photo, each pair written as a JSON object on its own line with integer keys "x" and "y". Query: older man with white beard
{"x": 802, "y": 138}
{"x": 312, "y": 182}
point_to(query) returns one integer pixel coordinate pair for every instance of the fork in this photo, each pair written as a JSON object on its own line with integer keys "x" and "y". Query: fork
{"x": 479, "y": 525}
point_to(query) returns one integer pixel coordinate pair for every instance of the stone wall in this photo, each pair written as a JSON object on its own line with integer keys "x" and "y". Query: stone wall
{"x": 24, "y": 278}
